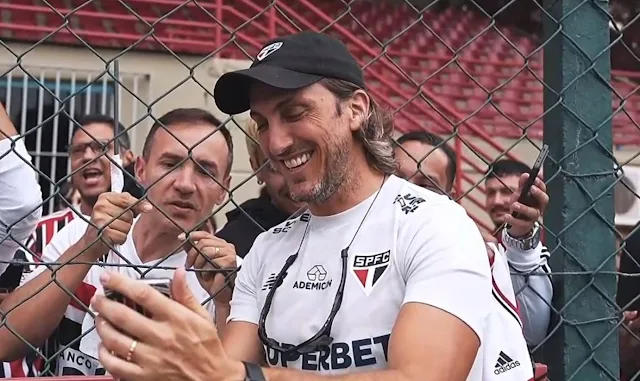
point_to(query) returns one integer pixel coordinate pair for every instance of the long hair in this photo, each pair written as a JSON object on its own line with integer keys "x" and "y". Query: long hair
{"x": 376, "y": 132}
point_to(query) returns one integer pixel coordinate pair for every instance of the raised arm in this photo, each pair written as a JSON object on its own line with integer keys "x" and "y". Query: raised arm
{"x": 36, "y": 308}
{"x": 530, "y": 275}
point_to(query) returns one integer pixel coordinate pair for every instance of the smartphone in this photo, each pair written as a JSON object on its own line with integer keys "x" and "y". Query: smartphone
{"x": 160, "y": 284}
{"x": 525, "y": 197}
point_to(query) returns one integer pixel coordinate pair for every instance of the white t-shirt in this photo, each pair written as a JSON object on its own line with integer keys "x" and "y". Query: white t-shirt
{"x": 414, "y": 246}
{"x": 80, "y": 357}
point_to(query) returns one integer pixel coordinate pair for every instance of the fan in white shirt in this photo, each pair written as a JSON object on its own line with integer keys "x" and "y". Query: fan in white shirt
{"x": 20, "y": 194}
{"x": 185, "y": 169}
{"x": 381, "y": 280}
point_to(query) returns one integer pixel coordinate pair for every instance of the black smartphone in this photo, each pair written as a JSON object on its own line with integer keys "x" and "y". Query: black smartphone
{"x": 160, "y": 284}
{"x": 525, "y": 197}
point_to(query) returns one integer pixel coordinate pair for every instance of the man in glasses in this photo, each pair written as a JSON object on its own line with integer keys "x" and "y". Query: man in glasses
{"x": 90, "y": 176}
{"x": 380, "y": 280}
{"x": 90, "y": 173}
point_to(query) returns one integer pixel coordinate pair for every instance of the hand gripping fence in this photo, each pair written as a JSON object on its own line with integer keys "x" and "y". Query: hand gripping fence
{"x": 495, "y": 79}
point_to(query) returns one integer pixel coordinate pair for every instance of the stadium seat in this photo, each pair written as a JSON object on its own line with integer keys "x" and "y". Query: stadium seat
{"x": 492, "y": 54}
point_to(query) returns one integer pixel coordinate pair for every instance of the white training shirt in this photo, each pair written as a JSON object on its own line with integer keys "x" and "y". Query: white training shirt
{"x": 80, "y": 357}
{"x": 414, "y": 246}
{"x": 20, "y": 199}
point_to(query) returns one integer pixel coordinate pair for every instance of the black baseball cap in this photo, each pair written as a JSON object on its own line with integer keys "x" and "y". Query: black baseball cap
{"x": 291, "y": 62}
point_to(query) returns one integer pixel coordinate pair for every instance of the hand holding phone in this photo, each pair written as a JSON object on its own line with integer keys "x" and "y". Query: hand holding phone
{"x": 531, "y": 205}
{"x": 161, "y": 284}
{"x": 525, "y": 196}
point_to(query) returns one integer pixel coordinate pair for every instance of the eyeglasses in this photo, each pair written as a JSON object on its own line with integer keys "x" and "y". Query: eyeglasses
{"x": 320, "y": 340}
{"x": 97, "y": 146}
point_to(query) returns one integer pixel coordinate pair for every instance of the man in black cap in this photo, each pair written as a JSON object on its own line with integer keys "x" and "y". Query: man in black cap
{"x": 379, "y": 280}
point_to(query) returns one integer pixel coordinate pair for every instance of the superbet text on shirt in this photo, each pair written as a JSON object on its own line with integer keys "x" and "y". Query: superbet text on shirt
{"x": 414, "y": 246}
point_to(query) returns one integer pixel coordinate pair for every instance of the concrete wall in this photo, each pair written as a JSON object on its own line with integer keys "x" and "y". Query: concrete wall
{"x": 164, "y": 82}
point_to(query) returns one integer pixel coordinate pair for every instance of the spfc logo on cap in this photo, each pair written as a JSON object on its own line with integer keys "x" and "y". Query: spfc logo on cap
{"x": 267, "y": 50}
{"x": 369, "y": 268}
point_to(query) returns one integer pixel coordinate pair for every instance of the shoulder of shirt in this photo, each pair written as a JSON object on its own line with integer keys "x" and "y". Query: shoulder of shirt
{"x": 432, "y": 201}
{"x": 62, "y": 215}
{"x": 74, "y": 227}
{"x": 276, "y": 233}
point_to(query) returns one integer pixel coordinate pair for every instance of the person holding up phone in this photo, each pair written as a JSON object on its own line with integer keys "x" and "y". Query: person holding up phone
{"x": 425, "y": 159}
{"x": 184, "y": 167}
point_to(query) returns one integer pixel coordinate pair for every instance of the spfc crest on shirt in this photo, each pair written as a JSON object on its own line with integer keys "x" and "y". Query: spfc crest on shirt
{"x": 369, "y": 268}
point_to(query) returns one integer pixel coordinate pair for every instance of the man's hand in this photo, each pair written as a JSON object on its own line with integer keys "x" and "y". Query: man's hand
{"x": 527, "y": 215}
{"x": 111, "y": 220}
{"x": 179, "y": 342}
{"x": 216, "y": 260}
{"x": 629, "y": 335}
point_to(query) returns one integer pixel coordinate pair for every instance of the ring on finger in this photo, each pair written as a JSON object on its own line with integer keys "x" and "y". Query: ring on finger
{"x": 132, "y": 349}
{"x": 217, "y": 250}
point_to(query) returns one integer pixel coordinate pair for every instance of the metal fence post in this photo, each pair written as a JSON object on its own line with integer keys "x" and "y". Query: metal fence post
{"x": 579, "y": 219}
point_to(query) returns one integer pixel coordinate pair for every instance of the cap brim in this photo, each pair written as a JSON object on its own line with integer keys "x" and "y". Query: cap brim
{"x": 231, "y": 92}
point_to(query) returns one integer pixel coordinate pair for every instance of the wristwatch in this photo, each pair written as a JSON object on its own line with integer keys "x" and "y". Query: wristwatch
{"x": 254, "y": 372}
{"x": 525, "y": 243}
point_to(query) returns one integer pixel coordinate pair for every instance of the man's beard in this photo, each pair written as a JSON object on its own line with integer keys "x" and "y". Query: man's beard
{"x": 337, "y": 174}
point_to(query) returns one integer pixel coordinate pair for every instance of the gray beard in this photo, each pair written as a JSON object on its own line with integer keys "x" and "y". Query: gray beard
{"x": 337, "y": 175}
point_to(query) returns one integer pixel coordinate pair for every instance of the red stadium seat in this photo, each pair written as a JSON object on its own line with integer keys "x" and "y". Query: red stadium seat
{"x": 491, "y": 54}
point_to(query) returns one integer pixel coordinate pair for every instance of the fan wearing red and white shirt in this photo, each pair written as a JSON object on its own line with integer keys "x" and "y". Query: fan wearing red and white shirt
{"x": 90, "y": 177}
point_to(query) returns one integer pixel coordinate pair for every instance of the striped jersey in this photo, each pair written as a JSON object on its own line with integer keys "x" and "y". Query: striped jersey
{"x": 47, "y": 227}
{"x": 75, "y": 347}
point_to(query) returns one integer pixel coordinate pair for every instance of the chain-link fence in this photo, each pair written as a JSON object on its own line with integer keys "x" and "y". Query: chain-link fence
{"x": 493, "y": 79}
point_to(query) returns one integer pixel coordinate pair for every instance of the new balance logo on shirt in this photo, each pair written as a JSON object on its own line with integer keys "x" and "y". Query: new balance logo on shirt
{"x": 505, "y": 364}
{"x": 270, "y": 282}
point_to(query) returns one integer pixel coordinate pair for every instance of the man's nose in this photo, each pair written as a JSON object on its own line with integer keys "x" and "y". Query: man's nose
{"x": 278, "y": 139}
{"x": 503, "y": 199}
{"x": 184, "y": 179}
{"x": 90, "y": 154}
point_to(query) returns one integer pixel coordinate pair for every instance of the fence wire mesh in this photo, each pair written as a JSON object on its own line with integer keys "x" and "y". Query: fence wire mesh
{"x": 472, "y": 73}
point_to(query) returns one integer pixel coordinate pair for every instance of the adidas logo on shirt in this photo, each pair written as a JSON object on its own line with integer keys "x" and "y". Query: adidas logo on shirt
{"x": 504, "y": 364}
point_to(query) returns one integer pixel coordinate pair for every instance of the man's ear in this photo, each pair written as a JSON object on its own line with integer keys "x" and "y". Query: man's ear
{"x": 140, "y": 169}
{"x": 253, "y": 163}
{"x": 127, "y": 157}
{"x": 359, "y": 106}
{"x": 226, "y": 184}
{"x": 255, "y": 168}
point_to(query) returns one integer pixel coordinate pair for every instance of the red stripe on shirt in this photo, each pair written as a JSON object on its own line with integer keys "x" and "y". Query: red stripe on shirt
{"x": 84, "y": 293}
